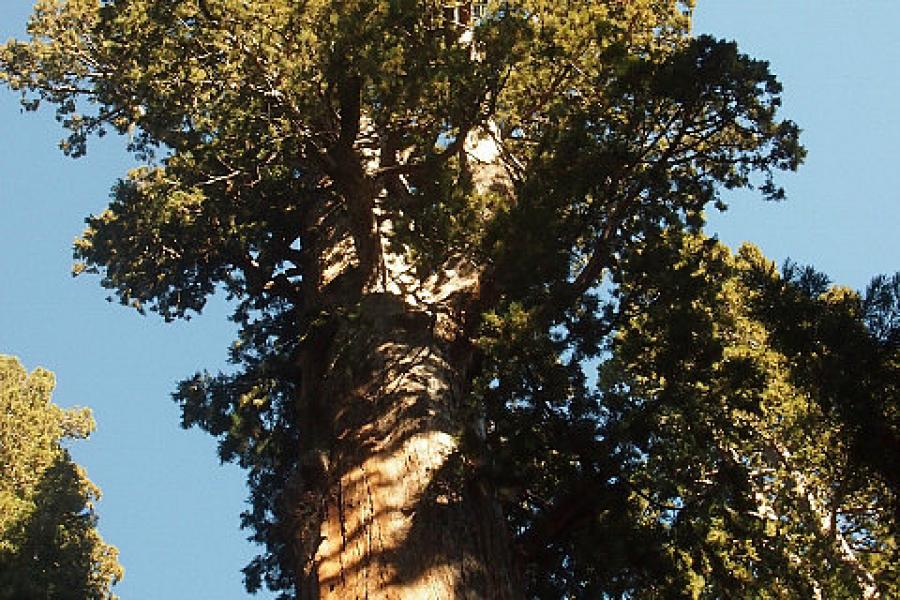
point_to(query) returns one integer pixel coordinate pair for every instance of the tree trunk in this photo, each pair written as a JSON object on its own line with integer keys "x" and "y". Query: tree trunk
{"x": 822, "y": 520}
{"x": 391, "y": 504}
{"x": 404, "y": 514}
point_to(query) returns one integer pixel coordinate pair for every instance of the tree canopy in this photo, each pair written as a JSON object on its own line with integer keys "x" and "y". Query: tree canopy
{"x": 49, "y": 543}
{"x": 753, "y": 475}
{"x": 312, "y": 158}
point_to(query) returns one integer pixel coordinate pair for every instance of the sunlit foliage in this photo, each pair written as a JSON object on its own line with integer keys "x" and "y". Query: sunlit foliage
{"x": 49, "y": 544}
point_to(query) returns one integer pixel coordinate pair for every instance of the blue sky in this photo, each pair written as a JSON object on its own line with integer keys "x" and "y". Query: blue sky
{"x": 839, "y": 62}
{"x": 168, "y": 505}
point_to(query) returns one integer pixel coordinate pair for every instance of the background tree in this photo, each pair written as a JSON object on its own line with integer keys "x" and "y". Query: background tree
{"x": 752, "y": 475}
{"x": 49, "y": 544}
{"x": 402, "y": 210}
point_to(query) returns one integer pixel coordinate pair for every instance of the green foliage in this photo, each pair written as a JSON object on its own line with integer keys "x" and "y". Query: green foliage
{"x": 276, "y": 131}
{"x": 755, "y": 454}
{"x": 49, "y": 544}
{"x": 739, "y": 442}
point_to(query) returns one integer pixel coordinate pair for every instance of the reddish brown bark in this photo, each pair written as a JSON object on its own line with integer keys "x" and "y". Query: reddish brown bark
{"x": 404, "y": 516}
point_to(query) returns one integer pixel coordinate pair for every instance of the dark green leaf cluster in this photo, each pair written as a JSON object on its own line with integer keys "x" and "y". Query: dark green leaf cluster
{"x": 253, "y": 412}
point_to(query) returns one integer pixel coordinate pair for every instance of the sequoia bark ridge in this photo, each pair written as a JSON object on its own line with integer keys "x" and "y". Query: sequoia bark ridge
{"x": 403, "y": 516}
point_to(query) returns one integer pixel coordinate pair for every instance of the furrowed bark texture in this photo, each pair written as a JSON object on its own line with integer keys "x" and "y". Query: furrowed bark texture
{"x": 402, "y": 513}
{"x": 404, "y": 518}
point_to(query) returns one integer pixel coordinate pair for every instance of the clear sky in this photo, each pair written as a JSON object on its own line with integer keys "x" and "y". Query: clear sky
{"x": 839, "y": 61}
{"x": 168, "y": 505}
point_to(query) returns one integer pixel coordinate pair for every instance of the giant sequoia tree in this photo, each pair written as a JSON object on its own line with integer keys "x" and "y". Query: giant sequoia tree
{"x": 418, "y": 210}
